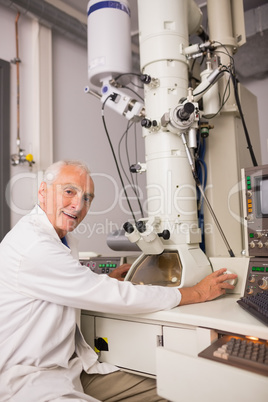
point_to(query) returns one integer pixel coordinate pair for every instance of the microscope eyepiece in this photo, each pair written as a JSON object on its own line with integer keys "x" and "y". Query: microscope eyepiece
{"x": 185, "y": 112}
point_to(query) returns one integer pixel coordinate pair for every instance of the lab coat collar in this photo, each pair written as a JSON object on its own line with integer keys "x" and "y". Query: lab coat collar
{"x": 42, "y": 219}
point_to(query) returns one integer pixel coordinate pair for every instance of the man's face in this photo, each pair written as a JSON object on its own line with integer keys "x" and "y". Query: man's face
{"x": 67, "y": 201}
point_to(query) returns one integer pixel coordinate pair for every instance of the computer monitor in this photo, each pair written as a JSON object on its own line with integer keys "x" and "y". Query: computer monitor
{"x": 261, "y": 194}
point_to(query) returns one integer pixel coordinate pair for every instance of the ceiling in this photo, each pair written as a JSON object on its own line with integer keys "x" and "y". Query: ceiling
{"x": 70, "y": 18}
{"x": 252, "y": 58}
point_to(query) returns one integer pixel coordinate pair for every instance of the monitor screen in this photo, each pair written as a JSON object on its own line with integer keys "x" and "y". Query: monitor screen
{"x": 262, "y": 196}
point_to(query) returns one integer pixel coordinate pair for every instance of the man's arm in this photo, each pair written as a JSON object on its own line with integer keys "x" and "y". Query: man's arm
{"x": 209, "y": 288}
{"x": 212, "y": 286}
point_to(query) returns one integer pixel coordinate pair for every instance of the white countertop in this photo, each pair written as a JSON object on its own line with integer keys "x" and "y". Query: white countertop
{"x": 223, "y": 314}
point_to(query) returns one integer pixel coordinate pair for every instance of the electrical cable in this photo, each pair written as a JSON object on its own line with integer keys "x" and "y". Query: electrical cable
{"x": 201, "y": 169}
{"x": 191, "y": 73}
{"x": 17, "y": 61}
{"x": 226, "y": 53}
{"x": 133, "y": 186}
{"x": 237, "y": 99}
{"x": 119, "y": 150}
{"x": 199, "y": 172}
{"x": 133, "y": 83}
{"x": 133, "y": 183}
{"x": 114, "y": 156}
{"x": 126, "y": 74}
{"x": 250, "y": 147}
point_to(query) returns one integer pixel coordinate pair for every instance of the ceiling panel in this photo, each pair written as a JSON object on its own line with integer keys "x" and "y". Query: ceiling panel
{"x": 251, "y": 59}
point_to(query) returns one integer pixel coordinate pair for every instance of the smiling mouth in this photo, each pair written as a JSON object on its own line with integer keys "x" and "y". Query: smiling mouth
{"x": 70, "y": 215}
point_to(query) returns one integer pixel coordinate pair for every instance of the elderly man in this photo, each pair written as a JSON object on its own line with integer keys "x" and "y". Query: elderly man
{"x": 42, "y": 289}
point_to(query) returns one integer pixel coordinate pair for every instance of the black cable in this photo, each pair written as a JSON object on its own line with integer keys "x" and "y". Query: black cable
{"x": 119, "y": 150}
{"x": 114, "y": 156}
{"x": 250, "y": 148}
{"x": 131, "y": 82}
{"x": 226, "y": 53}
{"x": 231, "y": 71}
{"x": 131, "y": 175}
{"x": 124, "y": 74}
{"x": 237, "y": 99}
{"x": 122, "y": 167}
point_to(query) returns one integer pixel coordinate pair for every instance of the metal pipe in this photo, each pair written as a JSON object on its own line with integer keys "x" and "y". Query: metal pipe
{"x": 17, "y": 61}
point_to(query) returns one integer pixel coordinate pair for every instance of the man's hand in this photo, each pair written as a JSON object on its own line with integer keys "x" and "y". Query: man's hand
{"x": 120, "y": 272}
{"x": 212, "y": 286}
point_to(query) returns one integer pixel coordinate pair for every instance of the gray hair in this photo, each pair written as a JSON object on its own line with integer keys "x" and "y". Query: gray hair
{"x": 53, "y": 170}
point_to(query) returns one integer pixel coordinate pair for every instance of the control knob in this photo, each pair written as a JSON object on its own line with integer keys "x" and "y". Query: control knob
{"x": 249, "y": 291}
{"x": 251, "y": 278}
{"x": 266, "y": 244}
{"x": 252, "y": 244}
{"x": 263, "y": 283}
{"x": 260, "y": 244}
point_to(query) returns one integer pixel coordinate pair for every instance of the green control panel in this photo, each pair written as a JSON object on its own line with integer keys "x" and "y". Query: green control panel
{"x": 102, "y": 265}
{"x": 256, "y": 210}
{"x": 257, "y": 278}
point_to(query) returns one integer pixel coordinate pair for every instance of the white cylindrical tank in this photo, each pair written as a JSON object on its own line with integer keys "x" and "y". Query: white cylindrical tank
{"x": 194, "y": 17}
{"x": 109, "y": 40}
{"x": 164, "y": 33}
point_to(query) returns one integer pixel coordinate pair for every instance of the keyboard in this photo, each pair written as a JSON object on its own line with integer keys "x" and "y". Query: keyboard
{"x": 256, "y": 305}
{"x": 239, "y": 352}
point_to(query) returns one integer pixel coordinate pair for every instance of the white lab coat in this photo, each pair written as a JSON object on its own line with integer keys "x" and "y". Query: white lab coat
{"x": 42, "y": 289}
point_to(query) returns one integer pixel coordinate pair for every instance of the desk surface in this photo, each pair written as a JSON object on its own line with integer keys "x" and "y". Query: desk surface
{"x": 222, "y": 314}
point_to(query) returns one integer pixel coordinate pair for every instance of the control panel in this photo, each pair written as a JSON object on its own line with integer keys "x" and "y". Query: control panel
{"x": 257, "y": 277}
{"x": 255, "y": 183}
{"x": 102, "y": 265}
